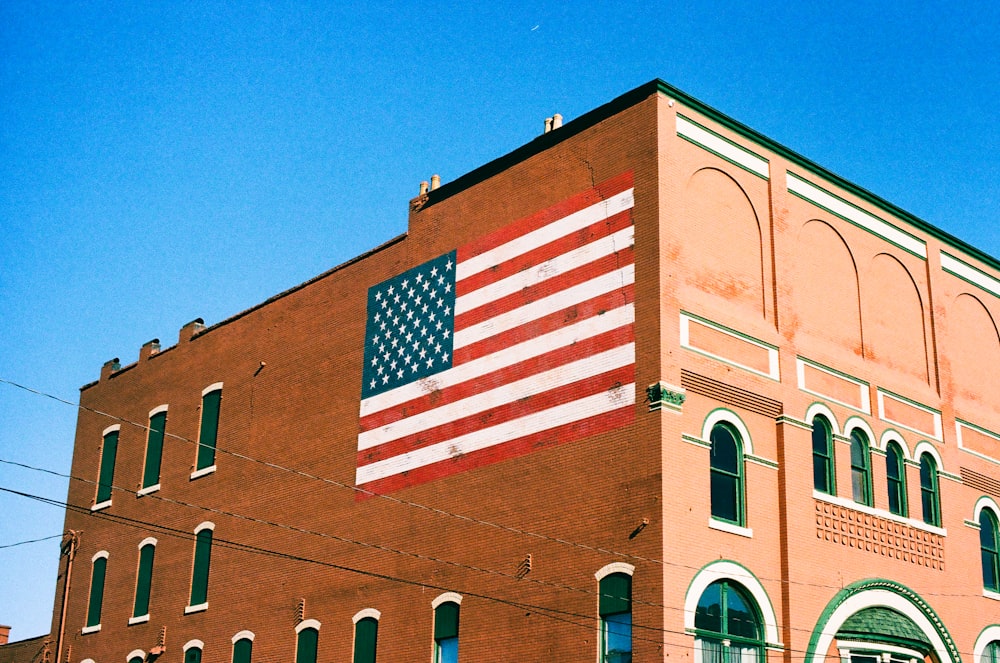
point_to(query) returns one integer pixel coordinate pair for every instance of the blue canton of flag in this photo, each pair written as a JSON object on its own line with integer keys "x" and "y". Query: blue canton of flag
{"x": 410, "y": 325}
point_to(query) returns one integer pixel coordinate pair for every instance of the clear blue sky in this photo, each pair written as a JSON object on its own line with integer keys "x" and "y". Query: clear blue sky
{"x": 191, "y": 159}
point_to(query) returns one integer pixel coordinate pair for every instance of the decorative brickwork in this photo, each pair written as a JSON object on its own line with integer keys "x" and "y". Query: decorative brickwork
{"x": 881, "y": 536}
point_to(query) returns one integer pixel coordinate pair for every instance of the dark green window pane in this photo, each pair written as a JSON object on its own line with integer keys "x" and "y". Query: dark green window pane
{"x": 822, "y": 456}
{"x": 616, "y": 594}
{"x": 860, "y": 469}
{"x": 308, "y": 644}
{"x": 154, "y": 449}
{"x": 242, "y": 650}
{"x": 106, "y": 478}
{"x": 209, "y": 428}
{"x": 202, "y": 560}
{"x": 726, "y": 482}
{"x": 143, "y": 581}
{"x": 708, "y": 615}
{"x": 135, "y": 659}
{"x": 990, "y": 551}
{"x": 740, "y": 618}
{"x": 446, "y": 621}
{"x": 929, "y": 499}
{"x": 96, "y": 591}
{"x": 192, "y": 655}
{"x": 365, "y": 639}
{"x": 895, "y": 477}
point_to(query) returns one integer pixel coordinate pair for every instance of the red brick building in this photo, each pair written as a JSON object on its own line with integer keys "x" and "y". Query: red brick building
{"x": 649, "y": 387}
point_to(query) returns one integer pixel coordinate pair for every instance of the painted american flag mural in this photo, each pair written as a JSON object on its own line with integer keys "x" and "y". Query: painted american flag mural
{"x": 519, "y": 340}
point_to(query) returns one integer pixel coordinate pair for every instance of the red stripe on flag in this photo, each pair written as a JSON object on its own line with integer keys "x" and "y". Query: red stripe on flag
{"x": 531, "y": 366}
{"x": 548, "y": 323}
{"x": 549, "y": 438}
{"x": 548, "y": 251}
{"x": 583, "y": 200}
{"x": 559, "y": 394}
{"x": 582, "y": 274}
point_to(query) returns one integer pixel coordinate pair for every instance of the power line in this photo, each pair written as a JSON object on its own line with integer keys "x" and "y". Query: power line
{"x": 24, "y": 543}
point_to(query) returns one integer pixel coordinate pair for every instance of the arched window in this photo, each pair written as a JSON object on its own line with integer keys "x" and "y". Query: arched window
{"x": 728, "y": 625}
{"x": 106, "y": 475}
{"x": 136, "y": 656}
{"x": 930, "y": 498}
{"x": 243, "y": 647}
{"x": 446, "y": 632}
{"x": 861, "y": 474}
{"x": 143, "y": 581}
{"x": 192, "y": 651}
{"x": 822, "y": 442}
{"x": 992, "y": 652}
{"x": 154, "y": 450}
{"x": 211, "y": 398}
{"x": 727, "y": 474}
{"x": 307, "y": 641}
{"x": 97, "y": 575}
{"x": 895, "y": 473}
{"x": 615, "y": 608}
{"x": 989, "y": 543}
{"x": 200, "y": 567}
{"x": 365, "y": 639}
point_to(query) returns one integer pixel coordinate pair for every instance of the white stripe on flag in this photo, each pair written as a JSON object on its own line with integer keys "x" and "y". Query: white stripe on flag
{"x": 512, "y": 392}
{"x": 543, "y": 271}
{"x": 553, "y": 231}
{"x": 584, "y": 408}
{"x": 533, "y": 347}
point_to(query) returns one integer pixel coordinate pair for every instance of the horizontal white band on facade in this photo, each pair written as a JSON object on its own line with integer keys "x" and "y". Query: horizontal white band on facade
{"x": 964, "y": 270}
{"x": 532, "y": 240}
{"x": 856, "y": 215}
{"x": 714, "y": 143}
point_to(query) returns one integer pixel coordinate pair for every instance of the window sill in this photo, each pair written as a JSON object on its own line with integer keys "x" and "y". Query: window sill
{"x": 101, "y": 505}
{"x": 142, "y": 619}
{"x": 191, "y": 609}
{"x": 732, "y": 528}
{"x": 990, "y": 594}
{"x": 851, "y": 504}
{"x": 147, "y": 490}
{"x": 90, "y": 629}
{"x": 203, "y": 472}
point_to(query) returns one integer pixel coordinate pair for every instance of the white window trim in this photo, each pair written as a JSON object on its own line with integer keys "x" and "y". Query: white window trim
{"x": 722, "y": 415}
{"x": 891, "y": 435}
{"x": 157, "y": 410}
{"x": 216, "y": 386}
{"x": 203, "y": 472}
{"x": 732, "y": 528}
{"x": 447, "y": 597}
{"x": 147, "y": 490}
{"x": 147, "y": 541}
{"x": 101, "y": 505}
{"x": 111, "y": 429}
{"x": 191, "y": 609}
{"x": 614, "y": 567}
{"x": 208, "y": 524}
{"x": 367, "y": 612}
{"x": 90, "y": 629}
{"x": 307, "y": 623}
{"x": 102, "y": 553}
{"x": 990, "y": 594}
{"x": 141, "y": 619}
{"x": 194, "y": 643}
{"x": 243, "y": 635}
{"x": 132, "y": 654}
{"x": 989, "y": 634}
{"x": 727, "y": 570}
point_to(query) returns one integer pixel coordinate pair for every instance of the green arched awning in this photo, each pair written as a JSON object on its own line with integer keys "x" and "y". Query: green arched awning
{"x": 885, "y": 625}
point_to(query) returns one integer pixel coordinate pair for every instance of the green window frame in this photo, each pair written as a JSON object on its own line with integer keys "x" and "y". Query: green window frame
{"x": 991, "y": 653}
{"x": 201, "y": 566}
{"x": 144, "y": 578}
{"x": 615, "y": 611}
{"x": 242, "y": 647}
{"x": 446, "y": 632}
{"x": 307, "y": 643}
{"x": 861, "y": 468}
{"x": 895, "y": 472}
{"x": 208, "y": 432}
{"x": 106, "y": 474}
{"x": 365, "y": 640}
{"x": 930, "y": 496}
{"x": 989, "y": 545}
{"x": 726, "y": 475}
{"x": 192, "y": 652}
{"x": 154, "y": 449}
{"x": 98, "y": 574}
{"x": 728, "y": 625}
{"x": 824, "y": 477}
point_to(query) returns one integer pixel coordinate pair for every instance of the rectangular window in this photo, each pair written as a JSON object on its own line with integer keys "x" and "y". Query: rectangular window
{"x": 144, "y": 580}
{"x": 202, "y": 560}
{"x": 106, "y": 476}
{"x": 209, "y": 429}
{"x": 154, "y": 449}
{"x": 96, "y": 591}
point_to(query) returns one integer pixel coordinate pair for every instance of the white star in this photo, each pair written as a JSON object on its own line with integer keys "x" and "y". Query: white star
{"x": 444, "y": 357}
{"x": 385, "y": 379}
{"x": 391, "y": 289}
{"x": 447, "y": 287}
{"x": 420, "y": 277}
{"x": 373, "y": 383}
{"x": 399, "y": 374}
{"x": 448, "y": 265}
{"x": 434, "y": 271}
{"x": 378, "y": 295}
{"x": 430, "y": 362}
